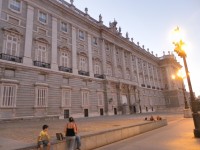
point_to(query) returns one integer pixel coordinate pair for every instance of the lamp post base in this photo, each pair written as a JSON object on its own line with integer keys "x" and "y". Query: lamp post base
{"x": 196, "y": 118}
{"x": 187, "y": 113}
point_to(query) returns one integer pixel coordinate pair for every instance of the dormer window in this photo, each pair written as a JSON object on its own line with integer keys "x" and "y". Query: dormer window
{"x": 15, "y": 5}
{"x": 81, "y": 35}
{"x": 42, "y": 17}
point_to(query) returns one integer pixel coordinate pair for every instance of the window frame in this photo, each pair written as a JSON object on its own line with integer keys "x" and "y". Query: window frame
{"x": 11, "y": 2}
{"x": 61, "y": 26}
{"x": 81, "y": 67}
{"x": 83, "y": 100}
{"x": 39, "y": 12}
{"x": 17, "y": 43}
{"x": 79, "y": 36}
{"x": 37, "y": 88}
{"x": 2, "y": 86}
{"x": 100, "y": 100}
{"x": 65, "y": 57}
{"x": 95, "y": 41}
{"x": 64, "y": 90}
{"x": 45, "y": 53}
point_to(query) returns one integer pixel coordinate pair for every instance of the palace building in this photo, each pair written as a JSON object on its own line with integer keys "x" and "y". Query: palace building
{"x": 57, "y": 61}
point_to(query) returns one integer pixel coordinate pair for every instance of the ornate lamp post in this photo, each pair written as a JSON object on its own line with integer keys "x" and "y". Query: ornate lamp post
{"x": 179, "y": 49}
{"x": 180, "y": 77}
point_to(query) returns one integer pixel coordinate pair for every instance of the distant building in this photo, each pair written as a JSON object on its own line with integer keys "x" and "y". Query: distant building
{"x": 56, "y": 60}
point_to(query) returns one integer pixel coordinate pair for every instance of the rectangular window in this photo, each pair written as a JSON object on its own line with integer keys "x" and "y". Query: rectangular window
{"x": 63, "y": 26}
{"x": 11, "y": 47}
{"x": 41, "y": 53}
{"x": 83, "y": 66}
{"x": 42, "y": 17}
{"x": 8, "y": 98}
{"x": 15, "y": 5}
{"x": 94, "y": 40}
{"x": 85, "y": 98}
{"x": 100, "y": 99}
{"x": 41, "y": 96}
{"x": 64, "y": 59}
{"x": 109, "y": 71}
{"x": 97, "y": 69}
{"x": 66, "y": 97}
{"x": 81, "y": 35}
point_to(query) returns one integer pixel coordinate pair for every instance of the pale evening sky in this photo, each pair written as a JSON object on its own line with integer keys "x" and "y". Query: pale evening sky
{"x": 150, "y": 23}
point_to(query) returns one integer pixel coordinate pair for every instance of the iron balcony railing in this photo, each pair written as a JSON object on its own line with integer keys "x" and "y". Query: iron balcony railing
{"x": 100, "y": 76}
{"x": 83, "y": 73}
{"x": 65, "y": 69}
{"x": 11, "y": 58}
{"x": 41, "y": 64}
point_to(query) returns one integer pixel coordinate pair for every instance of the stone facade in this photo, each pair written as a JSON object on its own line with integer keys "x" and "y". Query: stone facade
{"x": 56, "y": 60}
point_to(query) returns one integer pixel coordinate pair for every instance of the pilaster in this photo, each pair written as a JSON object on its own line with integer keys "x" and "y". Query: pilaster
{"x": 114, "y": 61}
{"x": 153, "y": 76}
{"x": 29, "y": 36}
{"x": 123, "y": 65}
{"x": 131, "y": 68}
{"x": 90, "y": 56}
{"x": 54, "y": 51}
{"x": 138, "y": 78}
{"x": 74, "y": 52}
{"x": 148, "y": 74}
{"x": 0, "y": 8}
{"x": 103, "y": 56}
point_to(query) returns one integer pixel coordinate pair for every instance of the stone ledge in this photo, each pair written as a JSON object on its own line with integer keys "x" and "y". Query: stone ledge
{"x": 102, "y": 138}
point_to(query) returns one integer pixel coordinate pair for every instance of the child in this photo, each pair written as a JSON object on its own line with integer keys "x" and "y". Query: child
{"x": 44, "y": 139}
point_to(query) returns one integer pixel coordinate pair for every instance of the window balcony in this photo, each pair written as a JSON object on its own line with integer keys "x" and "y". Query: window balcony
{"x": 143, "y": 85}
{"x": 41, "y": 64}
{"x": 153, "y": 87}
{"x": 11, "y": 58}
{"x": 158, "y": 88}
{"x": 65, "y": 69}
{"x": 83, "y": 73}
{"x": 148, "y": 86}
{"x": 99, "y": 76}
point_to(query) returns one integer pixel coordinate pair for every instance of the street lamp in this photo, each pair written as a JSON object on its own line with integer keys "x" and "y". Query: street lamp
{"x": 180, "y": 50}
{"x": 180, "y": 77}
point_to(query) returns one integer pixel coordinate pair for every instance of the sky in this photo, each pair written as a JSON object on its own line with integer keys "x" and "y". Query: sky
{"x": 150, "y": 22}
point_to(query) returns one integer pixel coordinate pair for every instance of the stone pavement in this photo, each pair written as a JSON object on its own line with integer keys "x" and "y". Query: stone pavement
{"x": 178, "y": 135}
{"x": 21, "y": 133}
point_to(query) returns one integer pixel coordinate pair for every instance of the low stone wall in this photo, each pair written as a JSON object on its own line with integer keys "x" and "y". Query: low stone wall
{"x": 98, "y": 139}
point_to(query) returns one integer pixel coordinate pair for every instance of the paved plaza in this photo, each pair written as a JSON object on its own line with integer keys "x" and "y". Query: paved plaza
{"x": 17, "y": 134}
{"x": 178, "y": 135}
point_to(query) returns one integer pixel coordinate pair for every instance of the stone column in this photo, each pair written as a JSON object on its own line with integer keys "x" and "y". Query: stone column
{"x": 114, "y": 61}
{"x": 90, "y": 56}
{"x": 138, "y": 77}
{"x": 54, "y": 48}
{"x": 74, "y": 52}
{"x": 123, "y": 65}
{"x": 29, "y": 36}
{"x": 0, "y": 8}
{"x": 103, "y": 56}
{"x": 168, "y": 78}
